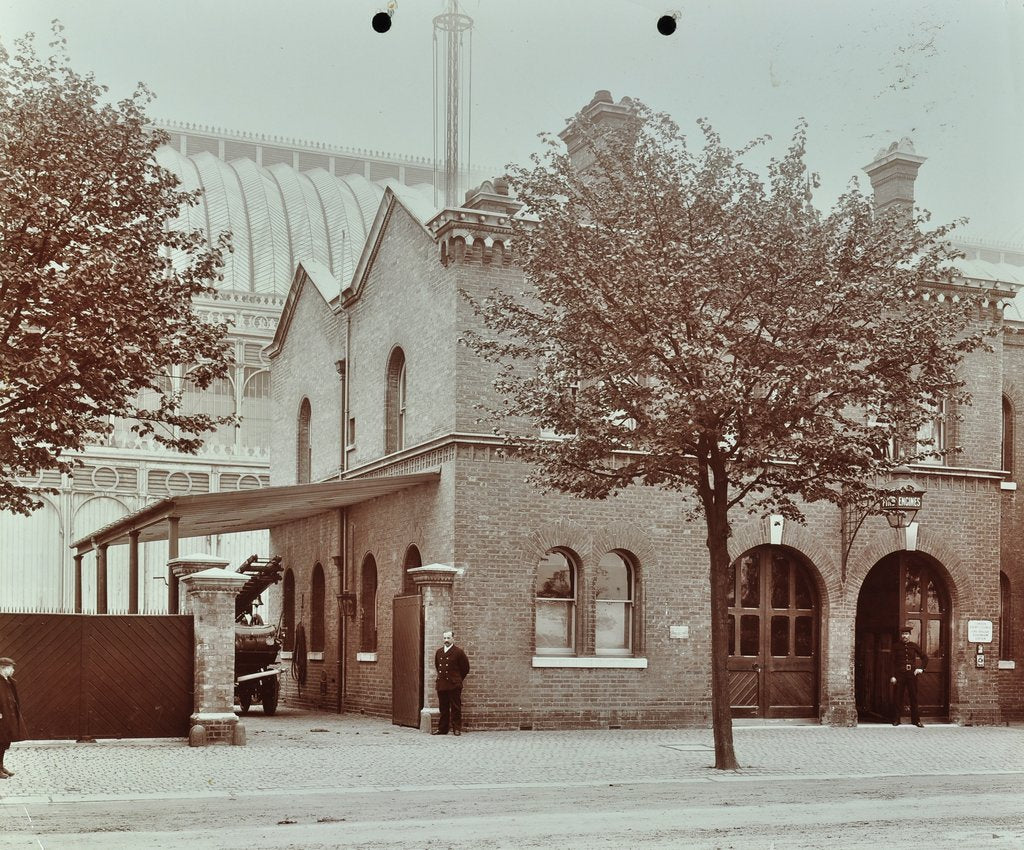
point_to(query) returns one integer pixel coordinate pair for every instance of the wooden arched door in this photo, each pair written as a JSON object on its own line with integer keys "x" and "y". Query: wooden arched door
{"x": 774, "y": 635}
{"x": 904, "y": 587}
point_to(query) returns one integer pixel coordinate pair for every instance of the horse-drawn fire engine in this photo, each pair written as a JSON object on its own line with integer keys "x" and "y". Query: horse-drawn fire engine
{"x": 257, "y": 645}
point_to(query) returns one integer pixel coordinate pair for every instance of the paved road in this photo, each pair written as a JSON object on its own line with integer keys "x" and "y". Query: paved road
{"x": 351, "y": 781}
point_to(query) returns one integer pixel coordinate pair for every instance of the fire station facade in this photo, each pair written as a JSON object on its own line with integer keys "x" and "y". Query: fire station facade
{"x": 596, "y": 614}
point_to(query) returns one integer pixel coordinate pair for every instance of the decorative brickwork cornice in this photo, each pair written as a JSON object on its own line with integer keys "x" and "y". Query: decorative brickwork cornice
{"x": 433, "y": 575}
{"x": 463, "y": 234}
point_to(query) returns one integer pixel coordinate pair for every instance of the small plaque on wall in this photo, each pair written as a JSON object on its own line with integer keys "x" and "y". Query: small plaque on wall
{"x": 679, "y": 632}
{"x": 979, "y": 631}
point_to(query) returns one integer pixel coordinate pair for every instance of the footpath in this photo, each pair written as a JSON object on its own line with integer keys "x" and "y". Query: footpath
{"x": 302, "y": 752}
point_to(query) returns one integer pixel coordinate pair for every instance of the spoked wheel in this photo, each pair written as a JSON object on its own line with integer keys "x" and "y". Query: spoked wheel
{"x": 271, "y": 692}
{"x": 245, "y": 700}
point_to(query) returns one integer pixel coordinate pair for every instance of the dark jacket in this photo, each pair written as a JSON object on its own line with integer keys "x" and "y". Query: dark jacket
{"x": 905, "y": 657}
{"x": 452, "y": 667}
{"x": 12, "y": 724}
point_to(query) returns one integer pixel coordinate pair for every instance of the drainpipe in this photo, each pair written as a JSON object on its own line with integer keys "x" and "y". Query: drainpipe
{"x": 341, "y": 564}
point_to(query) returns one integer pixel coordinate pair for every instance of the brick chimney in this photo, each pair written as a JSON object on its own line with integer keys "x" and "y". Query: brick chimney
{"x": 893, "y": 174}
{"x": 597, "y": 117}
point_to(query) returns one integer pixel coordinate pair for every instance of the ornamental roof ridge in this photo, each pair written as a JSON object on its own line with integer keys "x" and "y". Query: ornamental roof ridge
{"x": 966, "y": 240}
{"x": 299, "y": 144}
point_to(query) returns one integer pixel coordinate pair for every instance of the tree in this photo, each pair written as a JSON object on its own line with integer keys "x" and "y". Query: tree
{"x": 689, "y": 325}
{"x": 95, "y": 289}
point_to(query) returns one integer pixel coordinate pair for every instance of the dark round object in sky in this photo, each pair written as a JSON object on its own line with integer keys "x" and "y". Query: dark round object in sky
{"x": 667, "y": 24}
{"x": 382, "y": 22}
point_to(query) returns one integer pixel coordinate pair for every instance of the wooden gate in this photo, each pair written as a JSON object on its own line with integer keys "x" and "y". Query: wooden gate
{"x": 86, "y": 676}
{"x": 407, "y": 661}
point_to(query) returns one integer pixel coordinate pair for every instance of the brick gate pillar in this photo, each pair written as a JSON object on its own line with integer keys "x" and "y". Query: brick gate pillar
{"x": 435, "y": 585}
{"x": 210, "y": 599}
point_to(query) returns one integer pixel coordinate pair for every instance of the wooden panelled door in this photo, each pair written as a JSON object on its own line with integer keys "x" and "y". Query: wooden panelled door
{"x": 904, "y": 587}
{"x": 773, "y": 644}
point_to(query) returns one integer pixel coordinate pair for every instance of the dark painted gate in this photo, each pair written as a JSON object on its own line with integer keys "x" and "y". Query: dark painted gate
{"x": 407, "y": 661}
{"x": 86, "y": 676}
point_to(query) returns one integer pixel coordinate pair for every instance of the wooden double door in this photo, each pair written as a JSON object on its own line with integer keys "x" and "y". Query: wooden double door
{"x": 903, "y": 588}
{"x": 774, "y": 616}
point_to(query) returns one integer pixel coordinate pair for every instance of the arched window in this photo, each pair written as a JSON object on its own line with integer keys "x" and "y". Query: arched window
{"x": 256, "y": 411}
{"x": 411, "y": 561}
{"x": 218, "y": 399}
{"x": 368, "y": 605}
{"x": 288, "y": 609}
{"x": 1007, "y": 436}
{"x": 304, "y": 455}
{"x": 1005, "y": 619}
{"x": 613, "y": 587}
{"x": 556, "y": 604}
{"x": 394, "y": 403}
{"x": 316, "y": 625}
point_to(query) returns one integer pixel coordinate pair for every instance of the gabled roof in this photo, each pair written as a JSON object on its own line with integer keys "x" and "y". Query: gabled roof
{"x": 326, "y": 284}
{"x": 246, "y": 510}
{"x": 335, "y": 292}
{"x": 375, "y": 238}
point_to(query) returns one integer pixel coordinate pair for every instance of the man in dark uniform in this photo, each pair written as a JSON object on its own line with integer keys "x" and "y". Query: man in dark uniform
{"x": 452, "y": 667}
{"x": 905, "y": 671}
{"x": 12, "y": 725}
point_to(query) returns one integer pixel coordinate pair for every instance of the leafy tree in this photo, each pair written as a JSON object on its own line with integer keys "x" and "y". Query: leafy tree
{"x": 95, "y": 290}
{"x": 690, "y": 325}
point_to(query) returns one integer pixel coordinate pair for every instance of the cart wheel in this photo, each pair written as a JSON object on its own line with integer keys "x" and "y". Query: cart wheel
{"x": 271, "y": 692}
{"x": 245, "y": 700}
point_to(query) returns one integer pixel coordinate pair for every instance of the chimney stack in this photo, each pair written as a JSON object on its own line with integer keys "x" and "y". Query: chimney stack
{"x": 596, "y": 118}
{"x": 893, "y": 174}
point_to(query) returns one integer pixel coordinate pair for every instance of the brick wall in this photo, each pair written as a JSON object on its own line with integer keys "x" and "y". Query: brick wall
{"x": 305, "y": 368}
{"x": 1011, "y": 681}
{"x": 406, "y": 301}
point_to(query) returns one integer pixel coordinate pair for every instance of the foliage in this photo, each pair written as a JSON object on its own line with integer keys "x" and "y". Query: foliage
{"x": 690, "y": 325}
{"x": 699, "y": 320}
{"x": 95, "y": 290}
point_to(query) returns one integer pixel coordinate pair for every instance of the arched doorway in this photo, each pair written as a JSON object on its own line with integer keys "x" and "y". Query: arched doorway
{"x": 774, "y": 619}
{"x": 904, "y": 587}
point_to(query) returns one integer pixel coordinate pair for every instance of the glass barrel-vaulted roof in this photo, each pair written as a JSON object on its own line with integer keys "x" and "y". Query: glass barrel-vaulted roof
{"x": 279, "y": 216}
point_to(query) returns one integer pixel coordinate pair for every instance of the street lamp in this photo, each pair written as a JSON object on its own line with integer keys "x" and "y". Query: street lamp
{"x": 899, "y": 501}
{"x": 902, "y": 499}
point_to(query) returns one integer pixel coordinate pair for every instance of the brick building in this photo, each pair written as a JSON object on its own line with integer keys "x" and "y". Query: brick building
{"x": 398, "y": 515}
{"x": 588, "y": 614}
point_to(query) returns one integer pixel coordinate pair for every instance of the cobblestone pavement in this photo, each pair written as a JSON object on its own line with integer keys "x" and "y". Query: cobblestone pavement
{"x": 298, "y": 752}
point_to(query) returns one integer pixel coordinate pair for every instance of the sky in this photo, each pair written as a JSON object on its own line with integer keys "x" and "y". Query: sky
{"x": 949, "y": 74}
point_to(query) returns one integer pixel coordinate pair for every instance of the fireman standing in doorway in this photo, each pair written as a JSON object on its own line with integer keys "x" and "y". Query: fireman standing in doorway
{"x": 452, "y": 667}
{"x": 905, "y": 671}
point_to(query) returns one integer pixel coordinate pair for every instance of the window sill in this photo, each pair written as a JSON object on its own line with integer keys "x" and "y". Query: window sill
{"x": 590, "y": 661}
{"x": 314, "y": 656}
{"x": 369, "y": 657}
{"x": 1005, "y": 664}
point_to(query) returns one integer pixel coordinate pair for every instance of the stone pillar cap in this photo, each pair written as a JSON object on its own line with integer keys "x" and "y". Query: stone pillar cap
{"x": 200, "y": 558}
{"x": 434, "y": 568}
{"x": 214, "y": 576}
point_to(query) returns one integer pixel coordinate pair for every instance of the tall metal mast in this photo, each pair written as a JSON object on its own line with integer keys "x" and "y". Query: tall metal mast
{"x": 452, "y": 31}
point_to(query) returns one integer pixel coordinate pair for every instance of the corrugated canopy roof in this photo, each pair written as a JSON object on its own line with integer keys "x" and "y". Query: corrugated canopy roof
{"x": 246, "y": 510}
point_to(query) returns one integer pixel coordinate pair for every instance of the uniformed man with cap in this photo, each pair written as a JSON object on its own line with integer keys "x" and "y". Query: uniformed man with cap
{"x": 452, "y": 667}
{"x": 12, "y": 725}
{"x": 905, "y": 670}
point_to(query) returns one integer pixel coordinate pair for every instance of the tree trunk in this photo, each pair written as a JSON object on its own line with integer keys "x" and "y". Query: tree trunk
{"x": 721, "y": 710}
